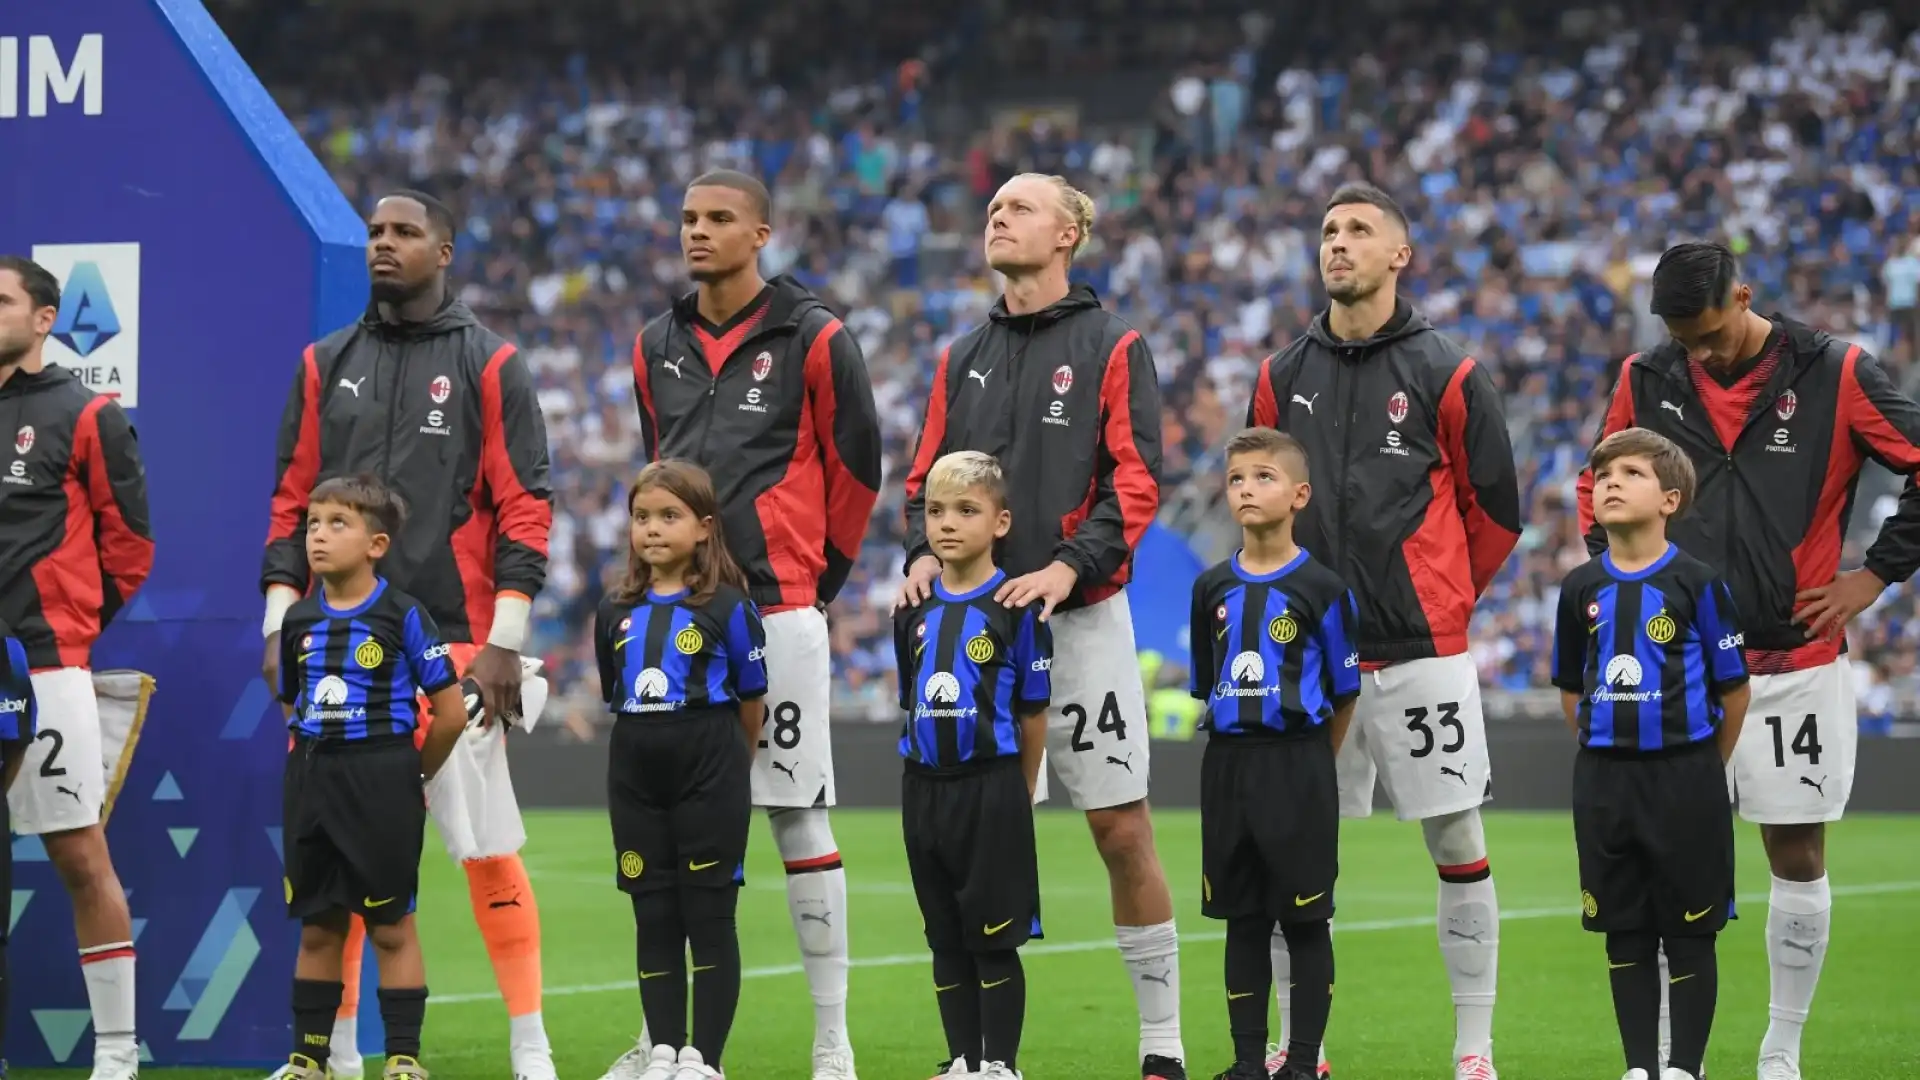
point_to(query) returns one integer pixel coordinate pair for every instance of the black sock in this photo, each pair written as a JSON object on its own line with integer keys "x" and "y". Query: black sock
{"x": 6, "y": 915}
{"x": 1633, "y": 969}
{"x": 314, "y": 1005}
{"x": 403, "y": 1011}
{"x": 1249, "y": 970}
{"x": 1693, "y": 989}
{"x": 1310, "y": 944}
{"x": 1003, "y": 1004}
{"x": 660, "y": 954}
{"x": 956, "y": 987}
{"x": 713, "y": 938}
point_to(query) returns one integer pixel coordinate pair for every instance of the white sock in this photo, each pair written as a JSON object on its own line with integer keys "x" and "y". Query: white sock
{"x": 1282, "y": 984}
{"x": 108, "y": 970}
{"x": 817, "y": 903}
{"x": 527, "y": 1036}
{"x": 1152, "y": 956}
{"x": 345, "y": 1046}
{"x": 1468, "y": 922}
{"x": 1666, "y": 1010}
{"x": 1799, "y": 922}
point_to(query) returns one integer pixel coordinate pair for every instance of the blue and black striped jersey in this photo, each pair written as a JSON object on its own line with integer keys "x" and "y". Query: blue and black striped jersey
{"x": 1272, "y": 653}
{"x": 1649, "y": 652}
{"x": 351, "y": 673}
{"x": 970, "y": 668}
{"x": 19, "y": 712}
{"x": 666, "y": 654}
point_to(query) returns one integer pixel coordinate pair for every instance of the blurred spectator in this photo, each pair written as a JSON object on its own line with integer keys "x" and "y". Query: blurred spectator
{"x": 1546, "y": 157}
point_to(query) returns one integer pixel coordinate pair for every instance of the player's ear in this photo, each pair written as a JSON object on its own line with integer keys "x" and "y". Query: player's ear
{"x": 1301, "y": 496}
{"x": 377, "y": 546}
{"x": 1670, "y": 502}
{"x": 762, "y": 233}
{"x": 445, "y": 258}
{"x": 1742, "y": 296}
{"x": 1002, "y": 521}
{"x": 703, "y": 529}
{"x": 1402, "y": 255}
{"x": 43, "y": 320}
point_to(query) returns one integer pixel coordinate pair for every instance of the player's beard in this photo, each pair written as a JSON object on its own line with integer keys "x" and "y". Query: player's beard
{"x": 395, "y": 293}
{"x": 1352, "y": 291}
{"x": 14, "y": 350}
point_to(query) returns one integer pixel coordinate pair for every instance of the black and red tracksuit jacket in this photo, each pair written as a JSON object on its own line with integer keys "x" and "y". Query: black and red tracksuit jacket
{"x": 1067, "y": 398}
{"x": 1770, "y": 512}
{"x": 75, "y": 538}
{"x": 783, "y": 420}
{"x": 444, "y": 412}
{"x": 1415, "y": 499}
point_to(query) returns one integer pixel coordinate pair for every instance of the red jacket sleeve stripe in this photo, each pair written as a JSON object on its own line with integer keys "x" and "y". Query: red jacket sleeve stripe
{"x": 933, "y": 433}
{"x": 1133, "y": 482}
{"x": 643, "y": 395}
{"x": 126, "y": 554}
{"x": 520, "y": 516}
{"x": 1620, "y": 417}
{"x": 302, "y": 470}
{"x": 1859, "y": 411}
{"x": 849, "y": 500}
{"x": 1489, "y": 542}
{"x": 1266, "y": 408}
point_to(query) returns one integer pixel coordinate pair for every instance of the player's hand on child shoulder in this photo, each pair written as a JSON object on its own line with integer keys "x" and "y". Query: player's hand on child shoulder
{"x": 919, "y": 583}
{"x": 1050, "y": 586}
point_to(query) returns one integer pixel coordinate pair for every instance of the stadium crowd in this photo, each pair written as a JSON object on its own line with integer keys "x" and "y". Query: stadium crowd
{"x": 1545, "y": 157}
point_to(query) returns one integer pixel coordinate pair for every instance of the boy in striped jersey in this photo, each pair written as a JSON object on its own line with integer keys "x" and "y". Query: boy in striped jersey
{"x": 1274, "y": 660}
{"x": 354, "y": 654}
{"x": 1647, "y": 656}
{"x": 975, "y": 680}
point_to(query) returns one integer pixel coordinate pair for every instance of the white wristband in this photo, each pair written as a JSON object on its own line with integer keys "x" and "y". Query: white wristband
{"x": 279, "y": 599}
{"x": 511, "y": 614}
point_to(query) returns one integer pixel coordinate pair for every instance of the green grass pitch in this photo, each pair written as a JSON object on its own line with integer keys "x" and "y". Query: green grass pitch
{"x": 1391, "y": 1018}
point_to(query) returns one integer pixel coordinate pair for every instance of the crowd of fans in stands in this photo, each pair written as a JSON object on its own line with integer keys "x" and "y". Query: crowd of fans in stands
{"x": 1543, "y": 173}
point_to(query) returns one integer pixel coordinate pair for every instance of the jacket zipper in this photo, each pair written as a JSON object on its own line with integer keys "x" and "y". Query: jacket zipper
{"x": 393, "y": 402}
{"x": 1340, "y": 376}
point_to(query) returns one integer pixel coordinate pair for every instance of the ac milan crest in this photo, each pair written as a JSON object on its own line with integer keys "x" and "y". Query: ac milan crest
{"x": 1785, "y": 407}
{"x": 1062, "y": 379}
{"x": 762, "y": 366}
{"x": 1397, "y": 406}
{"x": 23, "y": 440}
{"x": 440, "y": 389}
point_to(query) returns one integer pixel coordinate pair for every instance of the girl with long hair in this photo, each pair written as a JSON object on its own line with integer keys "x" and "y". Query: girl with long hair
{"x": 680, "y": 650}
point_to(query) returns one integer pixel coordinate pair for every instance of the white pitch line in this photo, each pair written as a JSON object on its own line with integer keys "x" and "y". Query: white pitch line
{"x": 1055, "y": 948}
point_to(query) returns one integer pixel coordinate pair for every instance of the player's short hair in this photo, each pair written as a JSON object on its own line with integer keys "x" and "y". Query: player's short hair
{"x": 1671, "y": 466}
{"x": 1075, "y": 205}
{"x": 367, "y": 495}
{"x": 1692, "y": 278}
{"x": 968, "y": 470}
{"x": 733, "y": 179}
{"x": 43, "y": 289}
{"x": 1362, "y": 192}
{"x": 439, "y": 217}
{"x": 1290, "y": 452}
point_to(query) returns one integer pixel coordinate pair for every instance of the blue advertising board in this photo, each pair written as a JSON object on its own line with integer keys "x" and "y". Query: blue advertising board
{"x": 201, "y": 247}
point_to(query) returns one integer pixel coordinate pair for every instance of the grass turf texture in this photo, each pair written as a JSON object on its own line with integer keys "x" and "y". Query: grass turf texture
{"x": 1392, "y": 1016}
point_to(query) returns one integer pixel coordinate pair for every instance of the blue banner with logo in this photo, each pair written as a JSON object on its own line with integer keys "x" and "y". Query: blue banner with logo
{"x": 200, "y": 247}
{"x": 1161, "y": 592}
